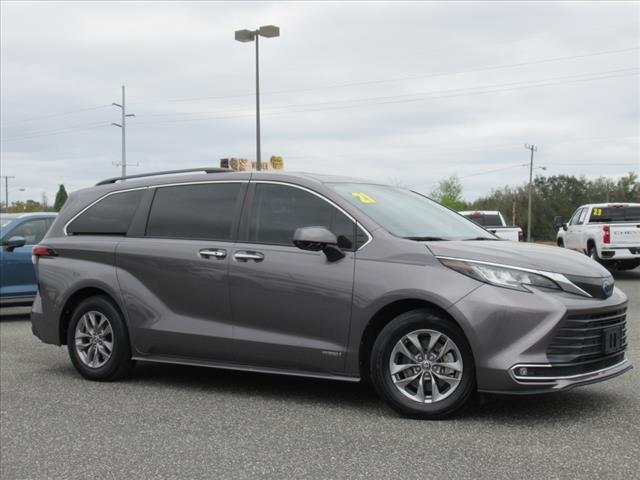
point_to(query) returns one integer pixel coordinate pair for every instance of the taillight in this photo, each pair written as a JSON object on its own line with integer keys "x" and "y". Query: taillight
{"x": 606, "y": 230}
{"x": 41, "y": 251}
{"x": 520, "y": 236}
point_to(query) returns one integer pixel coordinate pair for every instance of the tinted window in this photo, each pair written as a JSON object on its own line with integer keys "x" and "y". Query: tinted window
{"x": 279, "y": 210}
{"x": 110, "y": 216}
{"x": 485, "y": 220}
{"x": 33, "y": 231}
{"x": 615, "y": 214}
{"x": 193, "y": 211}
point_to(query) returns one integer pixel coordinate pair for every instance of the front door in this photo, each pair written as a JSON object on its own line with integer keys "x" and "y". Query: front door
{"x": 174, "y": 278}
{"x": 18, "y": 276}
{"x": 291, "y": 308}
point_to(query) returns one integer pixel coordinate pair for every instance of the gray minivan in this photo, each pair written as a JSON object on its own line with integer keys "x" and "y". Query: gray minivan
{"x": 319, "y": 276}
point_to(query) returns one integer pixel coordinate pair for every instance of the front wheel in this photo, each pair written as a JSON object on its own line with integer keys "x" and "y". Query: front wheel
{"x": 422, "y": 366}
{"x": 98, "y": 342}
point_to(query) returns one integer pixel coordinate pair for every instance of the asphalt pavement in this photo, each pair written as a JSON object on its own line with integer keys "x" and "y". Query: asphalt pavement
{"x": 186, "y": 422}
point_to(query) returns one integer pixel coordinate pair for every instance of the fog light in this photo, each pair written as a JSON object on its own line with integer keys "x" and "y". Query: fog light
{"x": 522, "y": 371}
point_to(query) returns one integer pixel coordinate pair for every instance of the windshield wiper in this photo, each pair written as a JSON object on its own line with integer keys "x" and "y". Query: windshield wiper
{"x": 427, "y": 239}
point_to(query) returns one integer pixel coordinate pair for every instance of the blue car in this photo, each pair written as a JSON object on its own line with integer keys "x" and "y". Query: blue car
{"x": 19, "y": 232}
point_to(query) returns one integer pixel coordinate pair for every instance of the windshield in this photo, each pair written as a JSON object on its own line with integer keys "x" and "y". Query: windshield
{"x": 6, "y": 219}
{"x": 408, "y": 214}
{"x": 614, "y": 214}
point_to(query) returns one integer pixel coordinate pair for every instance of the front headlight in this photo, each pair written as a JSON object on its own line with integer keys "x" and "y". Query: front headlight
{"x": 501, "y": 276}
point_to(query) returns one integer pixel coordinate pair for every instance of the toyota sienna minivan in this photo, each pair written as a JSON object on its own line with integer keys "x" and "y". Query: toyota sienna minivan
{"x": 319, "y": 276}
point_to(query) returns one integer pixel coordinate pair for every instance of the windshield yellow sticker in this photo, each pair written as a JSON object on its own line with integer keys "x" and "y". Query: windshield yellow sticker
{"x": 363, "y": 197}
{"x": 597, "y": 212}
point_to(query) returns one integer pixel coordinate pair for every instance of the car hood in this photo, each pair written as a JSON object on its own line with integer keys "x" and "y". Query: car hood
{"x": 524, "y": 255}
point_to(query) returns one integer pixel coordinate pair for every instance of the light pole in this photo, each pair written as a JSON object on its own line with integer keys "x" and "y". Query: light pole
{"x": 123, "y": 127}
{"x": 6, "y": 190}
{"x": 267, "y": 31}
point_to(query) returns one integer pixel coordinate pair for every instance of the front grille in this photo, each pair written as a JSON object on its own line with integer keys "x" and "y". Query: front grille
{"x": 581, "y": 337}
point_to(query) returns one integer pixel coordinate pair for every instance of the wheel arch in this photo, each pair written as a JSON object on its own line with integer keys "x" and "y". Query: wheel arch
{"x": 383, "y": 316}
{"x": 74, "y": 300}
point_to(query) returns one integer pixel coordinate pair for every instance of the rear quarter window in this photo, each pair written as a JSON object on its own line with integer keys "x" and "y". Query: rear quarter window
{"x": 111, "y": 215}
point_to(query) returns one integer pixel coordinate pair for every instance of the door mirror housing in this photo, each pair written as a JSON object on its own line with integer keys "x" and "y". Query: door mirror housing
{"x": 318, "y": 239}
{"x": 559, "y": 222}
{"x": 13, "y": 243}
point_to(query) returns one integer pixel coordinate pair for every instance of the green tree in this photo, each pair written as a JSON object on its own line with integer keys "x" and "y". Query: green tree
{"x": 61, "y": 197}
{"x": 449, "y": 193}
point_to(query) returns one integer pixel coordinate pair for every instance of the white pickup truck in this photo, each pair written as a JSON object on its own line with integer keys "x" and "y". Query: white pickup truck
{"x": 493, "y": 221}
{"x": 607, "y": 232}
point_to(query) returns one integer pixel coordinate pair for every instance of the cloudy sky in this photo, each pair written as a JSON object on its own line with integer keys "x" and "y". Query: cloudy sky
{"x": 401, "y": 92}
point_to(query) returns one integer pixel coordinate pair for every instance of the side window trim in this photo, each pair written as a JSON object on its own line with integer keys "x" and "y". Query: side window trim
{"x": 243, "y": 233}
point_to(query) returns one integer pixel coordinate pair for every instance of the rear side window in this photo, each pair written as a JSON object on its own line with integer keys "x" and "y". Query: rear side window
{"x": 614, "y": 214}
{"x": 278, "y": 210}
{"x": 203, "y": 211}
{"x": 110, "y": 216}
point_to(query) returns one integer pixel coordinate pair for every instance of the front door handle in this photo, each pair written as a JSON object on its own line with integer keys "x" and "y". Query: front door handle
{"x": 246, "y": 256}
{"x": 212, "y": 252}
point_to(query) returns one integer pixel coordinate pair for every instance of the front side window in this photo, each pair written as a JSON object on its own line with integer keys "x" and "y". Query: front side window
{"x": 278, "y": 210}
{"x": 33, "y": 231}
{"x": 110, "y": 216}
{"x": 408, "y": 214}
{"x": 201, "y": 211}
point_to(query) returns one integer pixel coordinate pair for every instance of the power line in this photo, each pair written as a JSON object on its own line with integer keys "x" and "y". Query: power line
{"x": 585, "y": 75}
{"x": 60, "y": 114}
{"x": 397, "y": 79}
{"x": 410, "y": 100}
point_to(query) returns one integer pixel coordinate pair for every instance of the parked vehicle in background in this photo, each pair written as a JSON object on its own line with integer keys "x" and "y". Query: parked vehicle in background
{"x": 19, "y": 232}
{"x": 608, "y": 232}
{"x": 320, "y": 276}
{"x": 493, "y": 221}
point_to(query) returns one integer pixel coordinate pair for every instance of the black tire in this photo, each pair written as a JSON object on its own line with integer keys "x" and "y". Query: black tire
{"x": 391, "y": 334}
{"x": 119, "y": 364}
{"x": 561, "y": 243}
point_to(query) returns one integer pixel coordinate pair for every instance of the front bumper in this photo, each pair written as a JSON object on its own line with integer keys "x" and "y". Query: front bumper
{"x": 509, "y": 330}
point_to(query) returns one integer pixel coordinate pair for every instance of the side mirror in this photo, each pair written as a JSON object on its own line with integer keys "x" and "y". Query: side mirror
{"x": 316, "y": 239}
{"x": 13, "y": 243}
{"x": 558, "y": 222}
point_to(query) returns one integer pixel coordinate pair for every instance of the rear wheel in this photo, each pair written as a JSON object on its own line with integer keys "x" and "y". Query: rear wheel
{"x": 98, "y": 342}
{"x": 421, "y": 365}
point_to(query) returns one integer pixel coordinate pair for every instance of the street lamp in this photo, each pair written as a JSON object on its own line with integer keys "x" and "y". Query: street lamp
{"x": 267, "y": 31}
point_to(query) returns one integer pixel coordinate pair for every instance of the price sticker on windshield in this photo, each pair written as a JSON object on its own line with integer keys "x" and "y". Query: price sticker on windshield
{"x": 597, "y": 212}
{"x": 363, "y": 197}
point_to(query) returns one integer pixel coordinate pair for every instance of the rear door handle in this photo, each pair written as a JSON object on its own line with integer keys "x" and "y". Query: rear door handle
{"x": 246, "y": 256}
{"x": 212, "y": 252}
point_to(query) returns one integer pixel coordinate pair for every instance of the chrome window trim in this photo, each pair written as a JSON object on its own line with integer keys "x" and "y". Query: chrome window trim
{"x": 146, "y": 187}
{"x": 330, "y": 202}
{"x": 565, "y": 284}
{"x": 160, "y": 185}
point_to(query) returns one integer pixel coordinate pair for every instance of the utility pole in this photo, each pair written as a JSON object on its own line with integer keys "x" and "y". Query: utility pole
{"x": 533, "y": 148}
{"x": 123, "y": 127}
{"x": 6, "y": 191}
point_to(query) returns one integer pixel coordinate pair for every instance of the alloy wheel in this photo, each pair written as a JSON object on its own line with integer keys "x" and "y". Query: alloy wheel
{"x": 426, "y": 366}
{"x": 94, "y": 339}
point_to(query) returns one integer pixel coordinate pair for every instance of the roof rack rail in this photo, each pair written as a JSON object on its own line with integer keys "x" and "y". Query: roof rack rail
{"x": 166, "y": 172}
